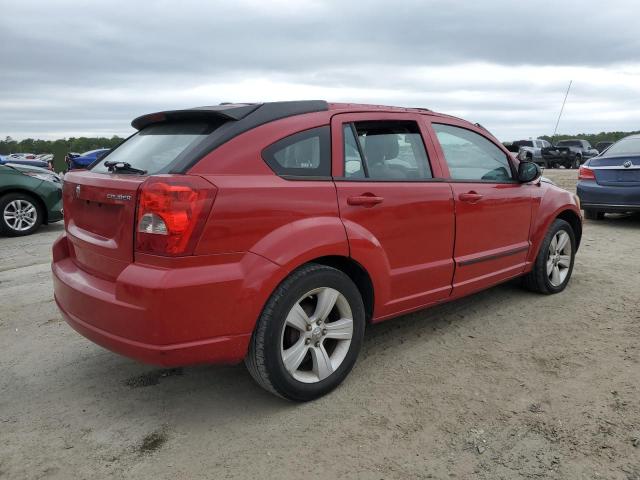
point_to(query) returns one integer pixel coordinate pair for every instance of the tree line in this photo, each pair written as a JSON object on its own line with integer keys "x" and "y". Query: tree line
{"x": 592, "y": 138}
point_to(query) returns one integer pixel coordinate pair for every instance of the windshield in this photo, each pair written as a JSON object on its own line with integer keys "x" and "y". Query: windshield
{"x": 156, "y": 147}
{"x": 569, "y": 143}
{"x": 524, "y": 143}
{"x": 626, "y": 146}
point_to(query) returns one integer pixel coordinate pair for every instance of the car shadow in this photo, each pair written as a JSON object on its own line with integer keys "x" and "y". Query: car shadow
{"x": 624, "y": 220}
{"x": 219, "y": 393}
{"x": 618, "y": 220}
{"x": 52, "y": 227}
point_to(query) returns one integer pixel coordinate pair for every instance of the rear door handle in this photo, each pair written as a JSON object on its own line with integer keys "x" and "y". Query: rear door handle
{"x": 365, "y": 200}
{"x": 470, "y": 197}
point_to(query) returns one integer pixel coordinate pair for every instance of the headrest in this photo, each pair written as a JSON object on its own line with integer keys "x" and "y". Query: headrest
{"x": 381, "y": 147}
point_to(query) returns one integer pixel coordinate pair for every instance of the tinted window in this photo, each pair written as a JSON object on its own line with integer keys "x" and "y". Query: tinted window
{"x": 470, "y": 156}
{"x": 156, "y": 147}
{"x": 392, "y": 151}
{"x": 302, "y": 154}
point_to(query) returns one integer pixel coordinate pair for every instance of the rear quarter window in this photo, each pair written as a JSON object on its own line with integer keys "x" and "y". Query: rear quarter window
{"x": 303, "y": 154}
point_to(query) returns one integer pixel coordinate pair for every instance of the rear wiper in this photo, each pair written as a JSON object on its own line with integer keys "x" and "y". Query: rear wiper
{"x": 114, "y": 166}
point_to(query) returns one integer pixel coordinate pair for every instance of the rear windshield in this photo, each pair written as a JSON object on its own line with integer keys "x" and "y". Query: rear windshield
{"x": 156, "y": 148}
{"x": 524, "y": 143}
{"x": 626, "y": 146}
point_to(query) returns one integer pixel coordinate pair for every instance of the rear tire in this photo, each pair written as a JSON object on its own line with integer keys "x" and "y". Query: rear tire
{"x": 554, "y": 264}
{"x": 304, "y": 344}
{"x": 590, "y": 214}
{"x": 20, "y": 214}
{"x": 576, "y": 162}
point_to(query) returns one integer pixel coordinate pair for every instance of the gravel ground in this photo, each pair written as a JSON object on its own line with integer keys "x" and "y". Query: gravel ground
{"x": 503, "y": 384}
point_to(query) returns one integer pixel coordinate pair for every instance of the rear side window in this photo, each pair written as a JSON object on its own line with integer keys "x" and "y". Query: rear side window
{"x": 385, "y": 150}
{"x": 304, "y": 154}
{"x": 470, "y": 156}
{"x": 156, "y": 148}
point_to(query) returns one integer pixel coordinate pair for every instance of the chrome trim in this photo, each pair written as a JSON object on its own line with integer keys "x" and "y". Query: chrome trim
{"x": 609, "y": 205}
{"x": 614, "y": 167}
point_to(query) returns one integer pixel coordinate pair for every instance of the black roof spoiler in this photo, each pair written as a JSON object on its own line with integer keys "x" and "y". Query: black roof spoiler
{"x": 264, "y": 112}
{"x": 222, "y": 112}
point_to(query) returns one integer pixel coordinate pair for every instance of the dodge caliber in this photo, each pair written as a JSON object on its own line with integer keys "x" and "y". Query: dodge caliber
{"x": 274, "y": 233}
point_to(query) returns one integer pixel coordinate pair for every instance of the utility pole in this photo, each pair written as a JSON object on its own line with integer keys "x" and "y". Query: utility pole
{"x": 555, "y": 130}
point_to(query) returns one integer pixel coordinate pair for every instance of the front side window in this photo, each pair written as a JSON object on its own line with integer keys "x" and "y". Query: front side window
{"x": 305, "y": 154}
{"x": 470, "y": 156}
{"x": 385, "y": 150}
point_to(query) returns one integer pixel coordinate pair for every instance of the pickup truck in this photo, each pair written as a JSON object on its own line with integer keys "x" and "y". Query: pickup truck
{"x": 530, "y": 150}
{"x": 568, "y": 153}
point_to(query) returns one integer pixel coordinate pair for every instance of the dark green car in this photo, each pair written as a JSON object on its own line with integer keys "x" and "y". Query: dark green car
{"x": 29, "y": 197}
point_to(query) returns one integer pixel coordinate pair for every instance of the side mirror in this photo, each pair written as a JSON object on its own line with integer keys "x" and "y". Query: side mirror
{"x": 528, "y": 172}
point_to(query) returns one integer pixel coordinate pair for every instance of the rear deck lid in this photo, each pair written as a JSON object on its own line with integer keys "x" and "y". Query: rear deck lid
{"x": 616, "y": 170}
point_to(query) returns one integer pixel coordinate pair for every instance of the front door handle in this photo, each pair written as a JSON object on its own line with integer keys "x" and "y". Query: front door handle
{"x": 365, "y": 200}
{"x": 470, "y": 197}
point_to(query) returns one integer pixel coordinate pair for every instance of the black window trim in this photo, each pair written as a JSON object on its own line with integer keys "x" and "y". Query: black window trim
{"x": 363, "y": 159}
{"x": 513, "y": 180}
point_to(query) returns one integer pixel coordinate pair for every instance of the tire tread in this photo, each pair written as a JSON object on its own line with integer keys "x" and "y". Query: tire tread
{"x": 535, "y": 280}
{"x": 255, "y": 359}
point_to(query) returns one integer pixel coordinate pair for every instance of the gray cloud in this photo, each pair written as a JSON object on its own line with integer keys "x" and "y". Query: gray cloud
{"x": 70, "y": 68}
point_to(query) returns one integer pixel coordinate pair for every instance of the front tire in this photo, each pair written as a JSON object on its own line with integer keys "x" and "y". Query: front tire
{"x": 554, "y": 264}
{"x": 20, "y": 214}
{"x": 309, "y": 334}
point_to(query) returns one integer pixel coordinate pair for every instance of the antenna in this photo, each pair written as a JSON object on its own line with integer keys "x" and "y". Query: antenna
{"x": 561, "y": 110}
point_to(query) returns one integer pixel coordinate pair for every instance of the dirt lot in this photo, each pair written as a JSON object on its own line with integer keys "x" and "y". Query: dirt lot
{"x": 504, "y": 384}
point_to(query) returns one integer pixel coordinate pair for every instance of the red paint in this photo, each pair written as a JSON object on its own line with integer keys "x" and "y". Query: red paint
{"x": 421, "y": 242}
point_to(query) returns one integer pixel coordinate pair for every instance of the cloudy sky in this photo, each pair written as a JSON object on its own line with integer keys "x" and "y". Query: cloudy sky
{"x": 71, "y": 68}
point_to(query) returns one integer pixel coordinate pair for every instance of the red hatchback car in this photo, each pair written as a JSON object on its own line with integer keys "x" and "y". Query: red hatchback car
{"x": 275, "y": 232}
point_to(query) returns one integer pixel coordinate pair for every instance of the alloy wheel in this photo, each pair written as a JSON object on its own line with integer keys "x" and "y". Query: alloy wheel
{"x": 316, "y": 335}
{"x": 559, "y": 258}
{"x": 20, "y": 215}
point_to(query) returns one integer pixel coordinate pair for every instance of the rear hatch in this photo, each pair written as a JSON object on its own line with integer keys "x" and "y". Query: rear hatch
{"x": 100, "y": 204}
{"x": 621, "y": 171}
{"x": 99, "y": 216}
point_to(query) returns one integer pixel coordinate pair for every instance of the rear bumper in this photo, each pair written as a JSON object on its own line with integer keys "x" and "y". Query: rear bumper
{"x": 229, "y": 349}
{"x": 162, "y": 316}
{"x": 608, "y": 198}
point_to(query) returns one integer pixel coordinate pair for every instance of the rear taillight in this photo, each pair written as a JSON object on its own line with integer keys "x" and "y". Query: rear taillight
{"x": 585, "y": 173}
{"x": 172, "y": 211}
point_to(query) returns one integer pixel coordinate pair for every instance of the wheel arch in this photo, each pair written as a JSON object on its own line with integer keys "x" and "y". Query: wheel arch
{"x": 32, "y": 194}
{"x": 357, "y": 273}
{"x": 573, "y": 219}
